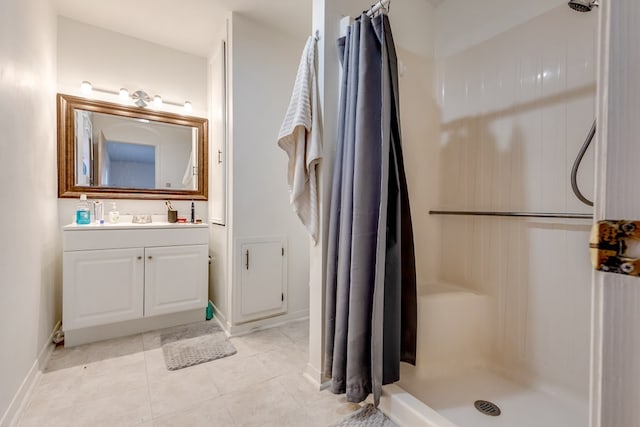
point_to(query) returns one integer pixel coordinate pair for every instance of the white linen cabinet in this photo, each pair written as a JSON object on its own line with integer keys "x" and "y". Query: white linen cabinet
{"x": 126, "y": 278}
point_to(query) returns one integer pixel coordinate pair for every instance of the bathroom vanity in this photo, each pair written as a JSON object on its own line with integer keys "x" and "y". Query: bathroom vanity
{"x": 122, "y": 279}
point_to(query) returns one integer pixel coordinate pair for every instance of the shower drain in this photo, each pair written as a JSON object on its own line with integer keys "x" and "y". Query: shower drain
{"x": 487, "y": 408}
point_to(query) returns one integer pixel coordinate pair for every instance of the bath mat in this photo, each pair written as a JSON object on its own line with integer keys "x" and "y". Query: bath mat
{"x": 193, "y": 344}
{"x": 367, "y": 416}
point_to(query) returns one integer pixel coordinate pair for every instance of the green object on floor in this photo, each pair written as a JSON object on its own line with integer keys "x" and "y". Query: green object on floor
{"x": 209, "y": 311}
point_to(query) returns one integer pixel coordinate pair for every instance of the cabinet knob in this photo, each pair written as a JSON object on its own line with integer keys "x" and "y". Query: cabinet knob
{"x": 139, "y": 257}
{"x": 149, "y": 257}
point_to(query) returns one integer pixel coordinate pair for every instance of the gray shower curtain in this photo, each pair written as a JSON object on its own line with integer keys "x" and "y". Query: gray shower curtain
{"x": 371, "y": 287}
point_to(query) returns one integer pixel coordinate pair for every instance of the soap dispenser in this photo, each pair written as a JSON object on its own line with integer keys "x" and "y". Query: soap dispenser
{"x": 114, "y": 215}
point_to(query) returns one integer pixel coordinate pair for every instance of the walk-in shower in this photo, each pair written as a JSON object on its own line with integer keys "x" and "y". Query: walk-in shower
{"x": 504, "y": 299}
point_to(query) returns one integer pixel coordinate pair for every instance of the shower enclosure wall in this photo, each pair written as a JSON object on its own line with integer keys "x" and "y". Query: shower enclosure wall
{"x": 493, "y": 122}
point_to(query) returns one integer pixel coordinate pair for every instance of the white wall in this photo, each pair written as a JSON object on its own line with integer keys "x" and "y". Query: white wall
{"x": 263, "y": 68}
{"x": 30, "y": 242}
{"x": 514, "y": 111}
{"x": 112, "y": 60}
{"x": 461, "y": 23}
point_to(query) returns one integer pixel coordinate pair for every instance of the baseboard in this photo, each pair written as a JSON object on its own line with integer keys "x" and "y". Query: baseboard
{"x": 20, "y": 399}
{"x": 219, "y": 317}
{"x": 270, "y": 322}
{"x": 315, "y": 377}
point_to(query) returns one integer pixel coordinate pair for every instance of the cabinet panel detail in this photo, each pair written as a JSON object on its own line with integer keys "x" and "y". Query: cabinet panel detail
{"x": 102, "y": 286}
{"x": 262, "y": 280}
{"x": 175, "y": 279}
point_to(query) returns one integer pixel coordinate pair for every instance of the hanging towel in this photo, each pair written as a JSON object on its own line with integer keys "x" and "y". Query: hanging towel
{"x": 300, "y": 136}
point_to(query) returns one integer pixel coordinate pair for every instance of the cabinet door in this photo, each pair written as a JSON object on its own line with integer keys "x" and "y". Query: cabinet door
{"x": 175, "y": 279}
{"x": 262, "y": 280}
{"x": 102, "y": 286}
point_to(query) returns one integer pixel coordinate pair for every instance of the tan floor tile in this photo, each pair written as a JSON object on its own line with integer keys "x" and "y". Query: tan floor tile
{"x": 204, "y": 414}
{"x": 125, "y": 382}
{"x": 267, "y": 340}
{"x": 35, "y": 416}
{"x": 283, "y": 362}
{"x": 63, "y": 358}
{"x": 151, "y": 340}
{"x": 231, "y": 373}
{"x": 264, "y": 404}
{"x": 114, "y": 348}
{"x": 112, "y": 376}
{"x": 323, "y": 406}
{"x": 297, "y": 331}
{"x": 129, "y": 407}
{"x": 242, "y": 347}
{"x": 180, "y": 389}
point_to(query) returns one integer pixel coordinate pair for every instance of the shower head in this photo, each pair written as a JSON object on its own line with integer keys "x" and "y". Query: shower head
{"x": 583, "y": 5}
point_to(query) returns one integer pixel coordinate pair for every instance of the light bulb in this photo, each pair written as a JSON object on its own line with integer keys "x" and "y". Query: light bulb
{"x": 124, "y": 94}
{"x": 157, "y": 101}
{"x": 85, "y": 87}
{"x": 187, "y": 107}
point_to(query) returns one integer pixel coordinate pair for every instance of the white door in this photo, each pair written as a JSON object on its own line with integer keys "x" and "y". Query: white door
{"x": 102, "y": 286}
{"x": 176, "y": 279}
{"x": 262, "y": 284}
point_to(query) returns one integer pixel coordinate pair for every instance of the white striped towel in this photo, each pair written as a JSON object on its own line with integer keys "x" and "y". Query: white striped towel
{"x": 301, "y": 138}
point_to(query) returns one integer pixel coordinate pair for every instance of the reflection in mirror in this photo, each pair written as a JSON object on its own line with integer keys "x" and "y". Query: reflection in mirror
{"x": 118, "y": 151}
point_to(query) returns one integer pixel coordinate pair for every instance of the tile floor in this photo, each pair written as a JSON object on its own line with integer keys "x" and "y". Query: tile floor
{"x": 124, "y": 382}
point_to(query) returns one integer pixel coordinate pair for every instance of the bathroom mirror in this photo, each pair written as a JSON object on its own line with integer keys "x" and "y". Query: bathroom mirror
{"x": 115, "y": 151}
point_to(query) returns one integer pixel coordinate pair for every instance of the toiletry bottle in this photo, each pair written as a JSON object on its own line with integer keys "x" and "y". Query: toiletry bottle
{"x": 114, "y": 215}
{"x": 98, "y": 212}
{"x": 193, "y": 213}
{"x": 83, "y": 212}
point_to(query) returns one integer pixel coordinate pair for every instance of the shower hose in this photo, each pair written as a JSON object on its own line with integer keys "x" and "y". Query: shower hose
{"x": 576, "y": 165}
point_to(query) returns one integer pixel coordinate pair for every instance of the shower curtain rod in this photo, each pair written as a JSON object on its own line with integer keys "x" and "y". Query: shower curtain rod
{"x": 376, "y": 7}
{"x": 516, "y": 214}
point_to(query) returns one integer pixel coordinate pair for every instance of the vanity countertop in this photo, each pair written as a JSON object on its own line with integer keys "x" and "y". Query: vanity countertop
{"x": 130, "y": 226}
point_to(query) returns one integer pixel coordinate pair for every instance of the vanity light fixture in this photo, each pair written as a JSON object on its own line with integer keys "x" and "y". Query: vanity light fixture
{"x": 139, "y": 97}
{"x": 85, "y": 87}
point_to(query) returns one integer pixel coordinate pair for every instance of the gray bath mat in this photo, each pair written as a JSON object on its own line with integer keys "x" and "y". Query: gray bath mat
{"x": 367, "y": 416}
{"x": 193, "y": 344}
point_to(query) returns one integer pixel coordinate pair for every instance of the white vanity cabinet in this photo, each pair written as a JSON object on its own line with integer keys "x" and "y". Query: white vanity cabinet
{"x": 123, "y": 279}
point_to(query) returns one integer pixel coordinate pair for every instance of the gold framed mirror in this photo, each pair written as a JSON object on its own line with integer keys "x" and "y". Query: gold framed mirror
{"x": 114, "y": 151}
